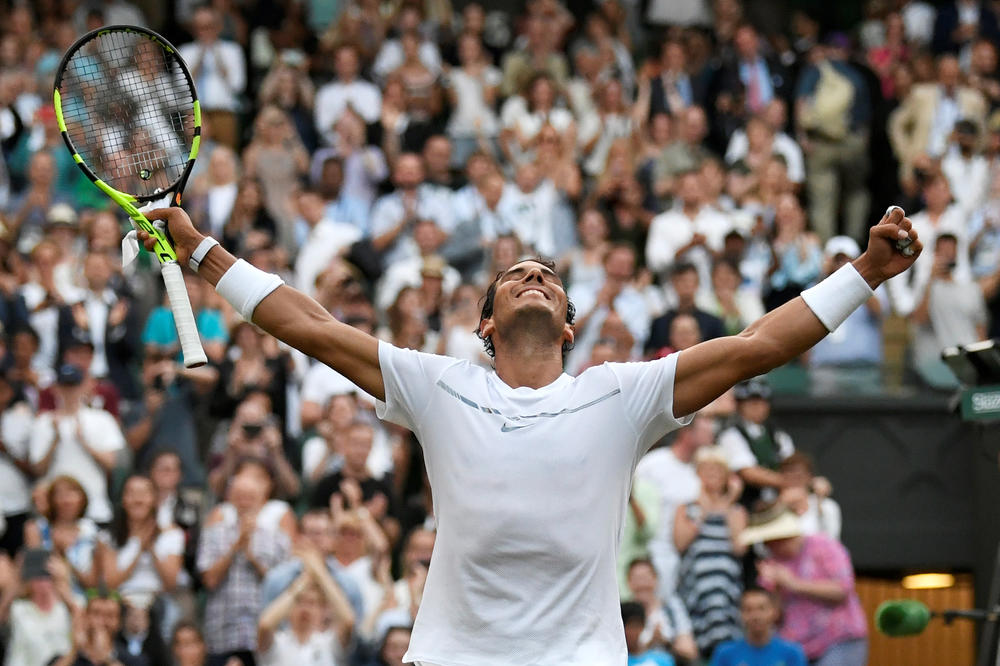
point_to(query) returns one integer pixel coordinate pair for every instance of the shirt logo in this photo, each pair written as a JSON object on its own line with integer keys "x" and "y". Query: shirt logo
{"x": 511, "y": 427}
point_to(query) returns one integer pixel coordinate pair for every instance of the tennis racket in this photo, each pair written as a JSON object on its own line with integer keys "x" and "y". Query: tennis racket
{"x": 129, "y": 113}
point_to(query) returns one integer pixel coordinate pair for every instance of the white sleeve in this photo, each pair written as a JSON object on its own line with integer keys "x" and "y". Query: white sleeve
{"x": 103, "y": 432}
{"x": 830, "y": 519}
{"x": 235, "y": 68}
{"x": 41, "y": 439}
{"x": 383, "y": 217}
{"x": 648, "y": 395}
{"x": 170, "y": 542}
{"x": 659, "y": 248}
{"x": 737, "y": 449}
{"x": 408, "y": 376}
{"x": 322, "y": 117}
{"x": 786, "y": 446}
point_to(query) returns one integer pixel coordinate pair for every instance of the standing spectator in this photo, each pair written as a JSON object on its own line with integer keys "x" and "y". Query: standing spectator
{"x": 834, "y": 114}
{"x": 814, "y": 578}
{"x": 760, "y": 645}
{"x": 707, "y": 535}
{"x": 966, "y": 168}
{"x": 347, "y": 90}
{"x": 922, "y": 123}
{"x": 684, "y": 281}
{"x": 750, "y": 81}
{"x": 671, "y": 470}
{"x": 279, "y": 161}
{"x": 307, "y": 640}
{"x": 139, "y": 559}
{"x": 951, "y": 312}
{"x": 65, "y": 532}
{"x": 289, "y": 88}
{"x": 797, "y": 252}
{"x": 634, "y": 620}
{"x": 77, "y": 440}
{"x": 395, "y": 215}
{"x": 960, "y": 22}
{"x": 219, "y": 71}
{"x": 233, "y": 558}
{"x": 16, "y": 417}
{"x": 670, "y": 90}
{"x": 472, "y": 91}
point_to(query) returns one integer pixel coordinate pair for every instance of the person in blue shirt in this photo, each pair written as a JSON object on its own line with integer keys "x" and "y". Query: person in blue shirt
{"x": 634, "y": 619}
{"x": 760, "y": 646}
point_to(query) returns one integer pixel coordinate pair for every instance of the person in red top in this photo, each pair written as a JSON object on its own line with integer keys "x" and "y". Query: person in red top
{"x": 814, "y": 578}
{"x": 98, "y": 393}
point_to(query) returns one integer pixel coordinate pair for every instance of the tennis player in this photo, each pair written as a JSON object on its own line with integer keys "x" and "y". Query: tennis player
{"x": 531, "y": 468}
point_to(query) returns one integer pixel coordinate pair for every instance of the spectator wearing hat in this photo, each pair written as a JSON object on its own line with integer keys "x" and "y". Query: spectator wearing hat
{"x": 814, "y": 579}
{"x": 99, "y": 392}
{"x": 753, "y": 446}
{"x": 706, "y": 534}
{"x": 77, "y": 440}
{"x": 852, "y": 354}
{"x": 40, "y": 624}
{"x": 966, "y": 168}
{"x": 760, "y": 644}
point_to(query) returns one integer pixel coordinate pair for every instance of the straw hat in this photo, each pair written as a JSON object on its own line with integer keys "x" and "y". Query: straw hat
{"x": 778, "y": 522}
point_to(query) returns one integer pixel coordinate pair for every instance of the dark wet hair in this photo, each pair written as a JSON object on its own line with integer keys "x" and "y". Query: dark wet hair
{"x": 487, "y": 311}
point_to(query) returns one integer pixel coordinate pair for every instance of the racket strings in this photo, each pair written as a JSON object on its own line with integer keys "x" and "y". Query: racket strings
{"x": 129, "y": 111}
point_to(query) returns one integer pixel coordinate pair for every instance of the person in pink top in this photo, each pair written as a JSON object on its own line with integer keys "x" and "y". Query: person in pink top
{"x": 814, "y": 578}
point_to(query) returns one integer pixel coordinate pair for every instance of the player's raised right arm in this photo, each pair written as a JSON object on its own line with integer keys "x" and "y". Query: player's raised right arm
{"x": 285, "y": 313}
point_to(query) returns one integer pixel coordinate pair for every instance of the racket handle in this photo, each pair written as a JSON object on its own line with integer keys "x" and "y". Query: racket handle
{"x": 187, "y": 329}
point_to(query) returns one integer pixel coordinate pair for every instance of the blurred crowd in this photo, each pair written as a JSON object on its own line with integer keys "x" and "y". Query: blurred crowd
{"x": 689, "y": 164}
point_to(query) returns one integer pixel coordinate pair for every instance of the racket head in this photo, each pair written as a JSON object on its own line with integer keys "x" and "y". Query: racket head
{"x": 128, "y": 111}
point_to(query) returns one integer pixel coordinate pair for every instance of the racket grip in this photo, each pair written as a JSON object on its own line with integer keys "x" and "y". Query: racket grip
{"x": 187, "y": 329}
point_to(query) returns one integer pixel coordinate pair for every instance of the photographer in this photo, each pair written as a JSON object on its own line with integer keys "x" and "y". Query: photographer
{"x": 165, "y": 418}
{"x": 253, "y": 433}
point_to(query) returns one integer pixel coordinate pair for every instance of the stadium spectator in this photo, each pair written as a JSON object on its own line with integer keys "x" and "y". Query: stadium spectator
{"x": 707, "y": 536}
{"x": 814, "y": 578}
{"x": 684, "y": 279}
{"x": 40, "y": 624}
{"x": 760, "y": 612}
{"x": 634, "y": 619}
{"x": 808, "y": 497}
{"x": 667, "y": 623}
{"x": 15, "y": 469}
{"x": 218, "y": 68}
{"x": 65, "y": 532}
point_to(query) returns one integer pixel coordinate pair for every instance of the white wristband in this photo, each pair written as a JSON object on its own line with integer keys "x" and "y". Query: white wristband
{"x": 835, "y": 298}
{"x": 245, "y": 286}
{"x": 199, "y": 253}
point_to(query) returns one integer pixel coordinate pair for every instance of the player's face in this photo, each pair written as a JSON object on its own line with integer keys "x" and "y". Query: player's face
{"x": 530, "y": 293}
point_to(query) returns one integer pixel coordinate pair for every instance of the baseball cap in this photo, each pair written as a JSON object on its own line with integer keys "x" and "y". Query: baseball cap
{"x": 61, "y": 214}
{"x": 69, "y": 375}
{"x": 842, "y": 245}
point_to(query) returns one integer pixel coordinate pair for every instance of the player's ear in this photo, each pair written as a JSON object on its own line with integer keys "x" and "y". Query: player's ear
{"x": 486, "y": 327}
{"x": 569, "y": 333}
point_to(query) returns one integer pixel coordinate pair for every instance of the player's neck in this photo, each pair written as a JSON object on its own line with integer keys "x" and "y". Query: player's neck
{"x": 521, "y": 363}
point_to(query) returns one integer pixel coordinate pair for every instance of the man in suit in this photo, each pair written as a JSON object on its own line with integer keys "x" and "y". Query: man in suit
{"x": 959, "y": 23}
{"x": 925, "y": 119}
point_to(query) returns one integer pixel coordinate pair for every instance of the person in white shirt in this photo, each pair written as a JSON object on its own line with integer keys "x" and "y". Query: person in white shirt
{"x": 219, "y": 71}
{"x": 326, "y": 239}
{"x": 16, "y": 417}
{"x": 306, "y": 640}
{"x": 671, "y": 470}
{"x": 692, "y": 231}
{"x": 529, "y": 502}
{"x": 347, "y": 90}
{"x": 79, "y": 441}
{"x": 965, "y": 167}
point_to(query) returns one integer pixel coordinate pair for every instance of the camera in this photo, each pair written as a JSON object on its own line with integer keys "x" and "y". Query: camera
{"x": 252, "y": 430}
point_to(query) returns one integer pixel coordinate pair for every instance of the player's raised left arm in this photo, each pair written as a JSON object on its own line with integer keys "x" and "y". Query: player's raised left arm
{"x": 707, "y": 370}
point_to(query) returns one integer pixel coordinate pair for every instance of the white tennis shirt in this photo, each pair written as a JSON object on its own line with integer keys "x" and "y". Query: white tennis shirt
{"x": 530, "y": 488}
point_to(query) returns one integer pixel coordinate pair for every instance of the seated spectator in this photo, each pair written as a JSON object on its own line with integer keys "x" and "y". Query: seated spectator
{"x": 40, "y": 624}
{"x": 213, "y": 195}
{"x": 269, "y": 513}
{"x": 707, "y": 536}
{"x": 684, "y": 154}
{"x": 410, "y": 272}
{"x": 347, "y": 201}
{"x": 814, "y": 579}
{"x": 808, "y": 496}
{"x": 233, "y": 558}
{"x": 524, "y": 118}
{"x": 347, "y": 90}
{"x": 393, "y": 646}
{"x": 760, "y": 645}
{"x": 984, "y": 232}
{"x": 584, "y": 263}
{"x": 763, "y": 136}
{"x": 692, "y": 232}
{"x": 78, "y": 440}
{"x": 327, "y": 238}
{"x": 309, "y": 603}
{"x": 288, "y": 87}
{"x": 753, "y": 446}
{"x": 95, "y": 630}
{"x": 538, "y": 54}
{"x": 852, "y": 354}
{"x": 139, "y": 641}
{"x": 458, "y": 338}
{"x": 634, "y": 619}
{"x": 667, "y": 623}
{"x": 393, "y": 53}
{"x": 965, "y": 166}
{"x": 684, "y": 280}
{"x": 99, "y": 393}
{"x": 420, "y": 81}
{"x": 361, "y": 549}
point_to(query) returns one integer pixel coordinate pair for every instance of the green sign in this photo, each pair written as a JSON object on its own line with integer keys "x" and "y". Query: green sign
{"x": 981, "y": 403}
